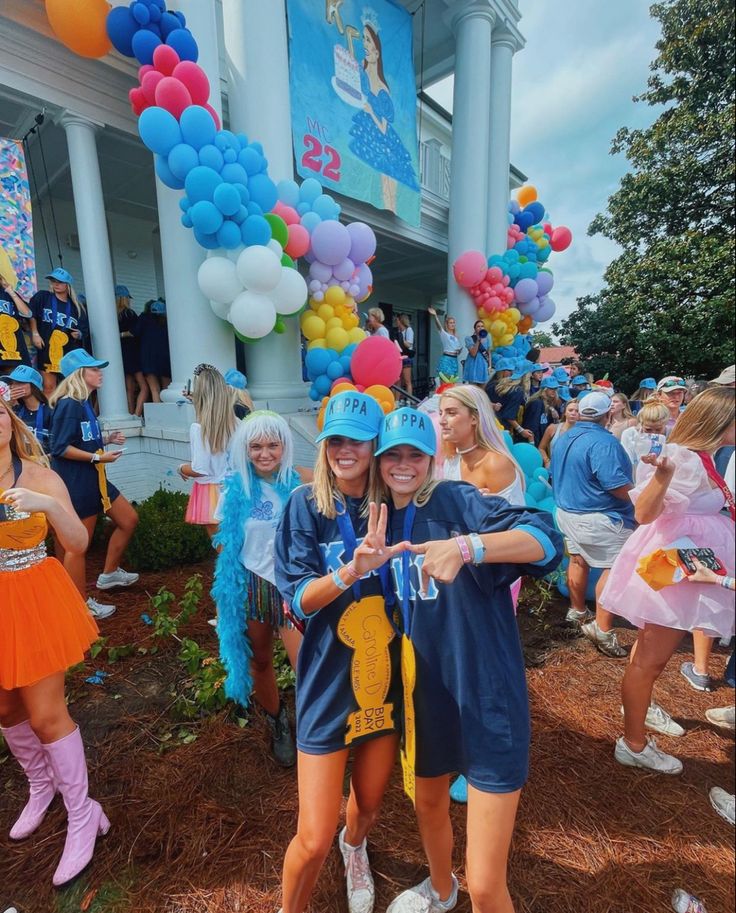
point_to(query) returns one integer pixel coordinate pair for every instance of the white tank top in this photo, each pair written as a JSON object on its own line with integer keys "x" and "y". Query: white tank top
{"x": 514, "y": 493}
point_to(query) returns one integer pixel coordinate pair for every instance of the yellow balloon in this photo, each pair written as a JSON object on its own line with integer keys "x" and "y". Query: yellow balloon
{"x": 356, "y": 335}
{"x": 526, "y": 194}
{"x": 325, "y": 311}
{"x": 337, "y": 339}
{"x": 335, "y": 295}
{"x": 313, "y": 327}
{"x": 333, "y": 322}
{"x": 317, "y": 344}
{"x": 507, "y": 339}
{"x": 350, "y": 321}
{"x": 498, "y": 327}
{"x": 514, "y": 314}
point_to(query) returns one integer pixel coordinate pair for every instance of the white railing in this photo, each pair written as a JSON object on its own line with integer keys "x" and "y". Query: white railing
{"x": 435, "y": 169}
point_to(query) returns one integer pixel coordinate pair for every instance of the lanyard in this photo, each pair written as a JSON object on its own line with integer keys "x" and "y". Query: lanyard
{"x": 55, "y": 311}
{"x": 93, "y": 423}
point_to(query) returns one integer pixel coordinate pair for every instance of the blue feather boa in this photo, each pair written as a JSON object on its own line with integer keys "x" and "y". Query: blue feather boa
{"x": 229, "y": 589}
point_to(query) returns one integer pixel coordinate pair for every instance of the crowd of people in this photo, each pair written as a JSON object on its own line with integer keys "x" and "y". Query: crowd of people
{"x": 403, "y": 549}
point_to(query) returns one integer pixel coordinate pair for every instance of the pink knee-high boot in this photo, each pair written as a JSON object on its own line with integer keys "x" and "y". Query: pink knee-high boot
{"x": 86, "y": 818}
{"x": 28, "y": 751}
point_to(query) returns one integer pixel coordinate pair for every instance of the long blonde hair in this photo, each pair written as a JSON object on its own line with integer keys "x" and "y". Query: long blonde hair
{"x": 213, "y": 408}
{"x": 702, "y": 425}
{"x": 507, "y": 384}
{"x": 324, "y": 486}
{"x": 626, "y": 413}
{"x": 74, "y": 386}
{"x": 23, "y": 443}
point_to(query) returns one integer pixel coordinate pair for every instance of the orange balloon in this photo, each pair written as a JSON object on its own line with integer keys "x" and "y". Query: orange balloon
{"x": 80, "y": 25}
{"x": 526, "y": 194}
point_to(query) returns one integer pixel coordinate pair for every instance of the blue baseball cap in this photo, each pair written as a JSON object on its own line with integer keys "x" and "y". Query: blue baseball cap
{"x": 561, "y": 375}
{"x": 121, "y": 291}
{"x": 407, "y": 426}
{"x": 79, "y": 358}
{"x": 158, "y": 307}
{"x": 504, "y": 364}
{"x": 25, "y": 374}
{"x": 649, "y": 383}
{"x": 61, "y": 275}
{"x": 236, "y": 379}
{"x": 564, "y": 394}
{"x": 352, "y": 415}
{"x": 580, "y": 380}
{"x": 522, "y": 368}
{"x": 549, "y": 383}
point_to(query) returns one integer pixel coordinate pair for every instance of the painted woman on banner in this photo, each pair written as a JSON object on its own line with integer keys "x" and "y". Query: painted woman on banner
{"x": 374, "y": 138}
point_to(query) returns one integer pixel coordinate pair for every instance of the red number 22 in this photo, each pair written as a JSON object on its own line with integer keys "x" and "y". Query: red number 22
{"x": 312, "y": 158}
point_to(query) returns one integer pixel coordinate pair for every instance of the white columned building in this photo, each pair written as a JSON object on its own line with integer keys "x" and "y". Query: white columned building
{"x": 472, "y": 25}
{"x": 94, "y": 246}
{"x": 256, "y": 43}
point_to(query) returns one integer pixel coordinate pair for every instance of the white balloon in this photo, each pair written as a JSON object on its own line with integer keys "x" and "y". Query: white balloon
{"x": 290, "y": 295}
{"x": 220, "y": 309}
{"x": 235, "y": 252}
{"x": 218, "y": 280}
{"x": 253, "y": 314}
{"x": 259, "y": 269}
{"x": 276, "y": 248}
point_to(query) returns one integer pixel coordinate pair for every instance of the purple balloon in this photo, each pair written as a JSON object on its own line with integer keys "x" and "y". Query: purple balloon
{"x": 546, "y": 309}
{"x": 344, "y": 270}
{"x": 315, "y": 285}
{"x": 530, "y": 308}
{"x": 364, "y": 281}
{"x": 525, "y": 290}
{"x": 545, "y": 281}
{"x": 362, "y": 242}
{"x": 320, "y": 271}
{"x": 331, "y": 242}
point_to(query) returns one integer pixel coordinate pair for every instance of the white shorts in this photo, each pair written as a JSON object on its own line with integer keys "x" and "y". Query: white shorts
{"x": 595, "y": 537}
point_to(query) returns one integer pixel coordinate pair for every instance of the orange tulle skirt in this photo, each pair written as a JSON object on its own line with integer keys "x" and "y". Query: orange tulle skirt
{"x": 45, "y": 625}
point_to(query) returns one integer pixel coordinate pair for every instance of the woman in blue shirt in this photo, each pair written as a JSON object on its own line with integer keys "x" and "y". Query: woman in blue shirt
{"x": 542, "y": 410}
{"x": 31, "y": 405}
{"x": 59, "y": 325}
{"x": 475, "y": 369}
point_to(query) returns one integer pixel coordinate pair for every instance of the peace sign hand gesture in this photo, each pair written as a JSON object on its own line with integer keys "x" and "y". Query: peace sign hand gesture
{"x": 373, "y": 551}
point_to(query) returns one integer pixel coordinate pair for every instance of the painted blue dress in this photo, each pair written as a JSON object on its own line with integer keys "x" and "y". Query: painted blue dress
{"x": 476, "y": 366}
{"x": 384, "y": 152}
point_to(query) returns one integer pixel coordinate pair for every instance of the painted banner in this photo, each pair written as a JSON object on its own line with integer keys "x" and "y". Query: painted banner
{"x": 17, "y": 260}
{"x": 353, "y": 101}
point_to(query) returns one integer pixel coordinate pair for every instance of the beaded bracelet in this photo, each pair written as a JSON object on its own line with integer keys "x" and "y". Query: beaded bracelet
{"x": 464, "y": 550}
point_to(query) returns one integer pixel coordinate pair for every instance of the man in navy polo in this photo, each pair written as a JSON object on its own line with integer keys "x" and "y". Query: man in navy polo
{"x": 592, "y": 481}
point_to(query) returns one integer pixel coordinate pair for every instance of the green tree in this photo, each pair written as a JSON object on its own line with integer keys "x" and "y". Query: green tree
{"x": 668, "y": 300}
{"x": 541, "y": 339}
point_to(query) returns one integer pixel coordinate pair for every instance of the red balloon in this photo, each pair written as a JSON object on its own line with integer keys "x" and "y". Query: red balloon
{"x": 215, "y": 115}
{"x": 298, "y": 243}
{"x": 138, "y": 100}
{"x": 148, "y": 84}
{"x": 548, "y": 228}
{"x": 165, "y": 59}
{"x": 195, "y": 79}
{"x": 287, "y": 213}
{"x": 146, "y": 68}
{"x": 376, "y": 360}
{"x": 172, "y": 95}
{"x": 561, "y": 238}
{"x": 494, "y": 274}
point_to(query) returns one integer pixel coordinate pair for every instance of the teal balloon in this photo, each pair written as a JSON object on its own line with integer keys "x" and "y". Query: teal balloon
{"x": 538, "y": 491}
{"x": 159, "y": 130}
{"x": 541, "y": 474}
{"x": 182, "y": 159}
{"x": 528, "y": 457}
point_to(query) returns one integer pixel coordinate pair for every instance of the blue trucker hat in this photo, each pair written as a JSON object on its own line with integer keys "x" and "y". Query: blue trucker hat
{"x": 407, "y": 426}
{"x": 25, "y": 374}
{"x": 549, "y": 383}
{"x": 649, "y": 383}
{"x": 121, "y": 291}
{"x": 61, "y": 275}
{"x": 79, "y": 358}
{"x": 235, "y": 379}
{"x": 352, "y": 415}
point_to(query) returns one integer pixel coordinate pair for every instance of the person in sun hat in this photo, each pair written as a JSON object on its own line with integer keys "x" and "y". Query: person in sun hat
{"x": 59, "y": 325}
{"x": 727, "y": 377}
{"x": 592, "y": 479}
{"x": 579, "y": 385}
{"x": 13, "y": 311}
{"x": 672, "y": 390}
{"x": 542, "y": 409}
{"x": 78, "y": 455}
{"x": 30, "y": 403}
{"x": 512, "y": 394}
{"x": 152, "y": 333}
{"x": 328, "y": 547}
{"x": 647, "y": 387}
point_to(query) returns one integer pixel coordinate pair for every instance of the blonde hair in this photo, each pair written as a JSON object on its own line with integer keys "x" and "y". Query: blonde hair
{"x": 381, "y": 493}
{"x": 507, "y": 384}
{"x": 73, "y": 298}
{"x": 213, "y": 408}
{"x": 23, "y": 443}
{"x": 377, "y": 313}
{"x": 242, "y": 398}
{"x": 488, "y": 436}
{"x": 122, "y": 303}
{"x": 702, "y": 425}
{"x": 642, "y": 395}
{"x": 404, "y": 320}
{"x": 653, "y": 412}
{"x": 324, "y": 486}
{"x": 74, "y": 386}
{"x": 627, "y": 413}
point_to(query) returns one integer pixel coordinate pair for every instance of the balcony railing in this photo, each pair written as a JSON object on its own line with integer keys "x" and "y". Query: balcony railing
{"x": 435, "y": 169}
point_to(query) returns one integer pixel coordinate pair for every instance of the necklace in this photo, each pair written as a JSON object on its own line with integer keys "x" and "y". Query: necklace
{"x": 6, "y": 470}
{"x": 467, "y": 450}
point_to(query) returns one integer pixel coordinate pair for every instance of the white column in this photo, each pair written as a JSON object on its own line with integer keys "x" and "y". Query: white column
{"x": 472, "y": 23}
{"x": 94, "y": 249}
{"x": 257, "y": 55}
{"x": 504, "y": 44}
{"x": 196, "y": 334}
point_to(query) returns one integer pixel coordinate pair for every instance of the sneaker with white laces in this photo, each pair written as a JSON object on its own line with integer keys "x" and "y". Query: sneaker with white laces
{"x": 724, "y": 803}
{"x": 423, "y": 898}
{"x": 605, "y": 641}
{"x": 118, "y": 577}
{"x": 723, "y": 717}
{"x": 579, "y": 618}
{"x": 683, "y": 902}
{"x": 658, "y": 720}
{"x": 696, "y": 680}
{"x": 99, "y": 609}
{"x": 650, "y": 757}
{"x": 360, "y": 887}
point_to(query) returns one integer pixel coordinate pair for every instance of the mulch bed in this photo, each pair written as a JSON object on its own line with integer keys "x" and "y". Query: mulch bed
{"x": 202, "y": 827}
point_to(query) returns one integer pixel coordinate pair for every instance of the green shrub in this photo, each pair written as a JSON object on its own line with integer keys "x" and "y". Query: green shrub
{"x": 162, "y": 539}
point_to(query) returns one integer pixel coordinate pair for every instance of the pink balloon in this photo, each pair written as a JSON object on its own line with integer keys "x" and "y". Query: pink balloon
{"x": 148, "y": 84}
{"x": 494, "y": 274}
{"x": 165, "y": 59}
{"x": 138, "y": 100}
{"x": 547, "y": 226}
{"x": 298, "y": 243}
{"x": 470, "y": 268}
{"x": 340, "y": 380}
{"x": 194, "y": 78}
{"x": 146, "y": 68}
{"x": 376, "y": 360}
{"x": 561, "y": 238}
{"x": 287, "y": 213}
{"x": 215, "y": 115}
{"x": 173, "y": 96}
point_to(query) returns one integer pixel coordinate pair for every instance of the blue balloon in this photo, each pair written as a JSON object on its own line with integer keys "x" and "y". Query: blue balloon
{"x": 250, "y": 160}
{"x": 121, "y": 27}
{"x": 201, "y": 182}
{"x": 155, "y": 12}
{"x": 541, "y": 474}
{"x": 528, "y": 271}
{"x": 317, "y": 361}
{"x": 288, "y": 192}
{"x": 310, "y": 221}
{"x": 535, "y": 210}
{"x": 184, "y": 204}
{"x": 153, "y": 27}
{"x": 182, "y": 41}
{"x": 314, "y": 394}
{"x": 182, "y": 159}
{"x": 165, "y": 175}
{"x": 228, "y": 235}
{"x": 538, "y": 491}
{"x": 143, "y": 44}
{"x": 310, "y": 190}
{"x": 230, "y": 156}
{"x": 244, "y": 195}
{"x": 209, "y": 242}
{"x": 206, "y": 217}
{"x": 211, "y": 157}
{"x": 186, "y": 220}
{"x": 227, "y": 199}
{"x": 242, "y": 139}
{"x": 234, "y": 173}
{"x": 524, "y": 220}
{"x": 255, "y": 230}
{"x": 303, "y": 208}
{"x": 197, "y": 126}
{"x": 159, "y": 130}
{"x": 241, "y": 215}
{"x": 263, "y": 191}
{"x": 345, "y": 363}
{"x": 168, "y": 23}
{"x": 253, "y": 208}
{"x": 322, "y": 384}
{"x": 141, "y": 13}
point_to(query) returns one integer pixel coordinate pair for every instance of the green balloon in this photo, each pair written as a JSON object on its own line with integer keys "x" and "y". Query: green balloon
{"x": 243, "y": 338}
{"x": 279, "y": 231}
{"x": 287, "y": 261}
{"x": 279, "y": 326}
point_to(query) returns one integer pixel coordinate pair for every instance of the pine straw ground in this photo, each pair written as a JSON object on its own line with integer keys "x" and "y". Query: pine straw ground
{"x": 202, "y": 828}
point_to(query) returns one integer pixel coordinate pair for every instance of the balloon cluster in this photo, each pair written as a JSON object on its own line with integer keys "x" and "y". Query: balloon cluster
{"x": 332, "y": 322}
{"x": 326, "y": 368}
{"x": 138, "y": 29}
{"x": 488, "y": 286}
{"x": 538, "y": 491}
{"x": 339, "y": 256}
{"x": 171, "y": 83}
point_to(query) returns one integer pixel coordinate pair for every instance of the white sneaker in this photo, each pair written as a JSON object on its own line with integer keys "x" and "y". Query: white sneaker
{"x": 118, "y": 577}
{"x": 579, "y": 618}
{"x": 724, "y": 803}
{"x": 650, "y": 757}
{"x": 423, "y": 898}
{"x": 361, "y": 890}
{"x": 658, "y": 720}
{"x": 99, "y": 609}
{"x": 605, "y": 641}
{"x": 723, "y": 717}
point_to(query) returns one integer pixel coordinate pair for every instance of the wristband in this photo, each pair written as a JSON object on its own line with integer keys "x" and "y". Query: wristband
{"x": 464, "y": 550}
{"x": 95, "y": 458}
{"x": 727, "y": 582}
{"x": 479, "y": 550}
{"x": 339, "y": 582}
{"x": 350, "y": 568}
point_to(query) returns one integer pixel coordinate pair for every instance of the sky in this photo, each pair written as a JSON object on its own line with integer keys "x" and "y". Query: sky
{"x": 572, "y": 90}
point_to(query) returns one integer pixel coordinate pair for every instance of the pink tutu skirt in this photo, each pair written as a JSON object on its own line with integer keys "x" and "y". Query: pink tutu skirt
{"x": 203, "y": 503}
{"x": 686, "y": 606}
